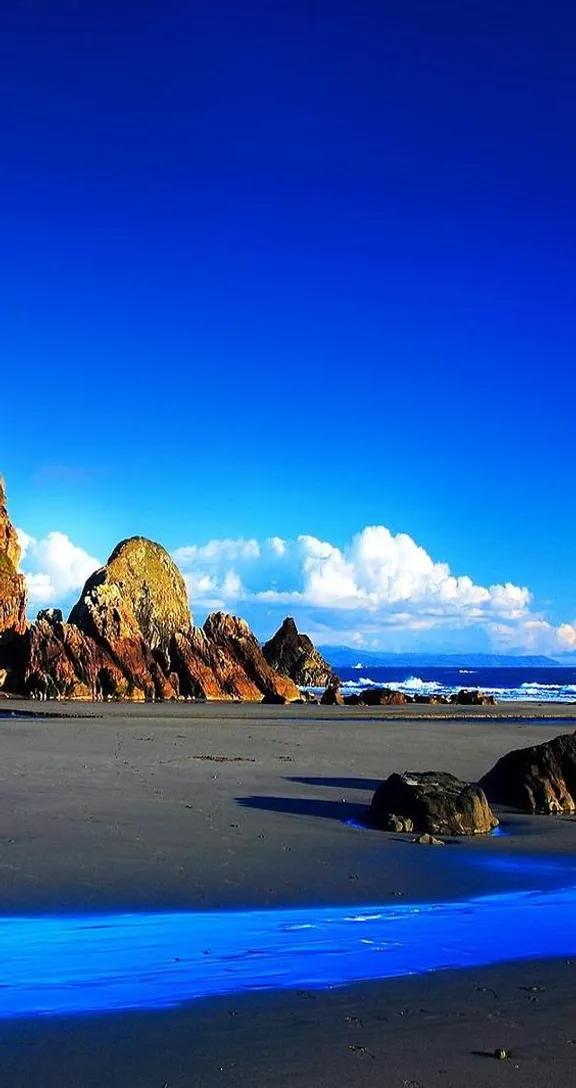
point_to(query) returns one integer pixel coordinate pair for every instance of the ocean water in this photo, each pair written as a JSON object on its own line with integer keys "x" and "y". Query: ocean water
{"x": 555, "y": 685}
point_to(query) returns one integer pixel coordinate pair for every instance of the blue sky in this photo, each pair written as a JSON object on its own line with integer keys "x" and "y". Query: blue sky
{"x": 291, "y": 271}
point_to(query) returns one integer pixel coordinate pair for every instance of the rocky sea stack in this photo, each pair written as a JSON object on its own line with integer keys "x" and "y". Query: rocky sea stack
{"x": 130, "y": 635}
{"x": 141, "y": 580}
{"x": 294, "y": 654}
{"x": 12, "y": 584}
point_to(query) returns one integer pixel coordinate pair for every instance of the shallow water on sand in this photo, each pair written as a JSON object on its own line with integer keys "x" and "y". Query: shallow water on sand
{"x": 105, "y": 962}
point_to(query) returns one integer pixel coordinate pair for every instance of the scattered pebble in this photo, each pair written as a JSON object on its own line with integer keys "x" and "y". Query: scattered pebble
{"x": 360, "y": 1050}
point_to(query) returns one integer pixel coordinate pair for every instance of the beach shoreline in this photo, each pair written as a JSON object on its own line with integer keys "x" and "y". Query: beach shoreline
{"x": 220, "y": 807}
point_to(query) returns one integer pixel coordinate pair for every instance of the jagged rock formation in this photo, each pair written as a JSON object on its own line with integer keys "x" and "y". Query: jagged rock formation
{"x": 12, "y": 584}
{"x": 130, "y": 636}
{"x": 295, "y": 655}
{"x": 540, "y": 779}
{"x": 241, "y": 649}
{"x": 464, "y": 697}
{"x": 224, "y": 660}
{"x": 433, "y": 802}
{"x": 53, "y": 659}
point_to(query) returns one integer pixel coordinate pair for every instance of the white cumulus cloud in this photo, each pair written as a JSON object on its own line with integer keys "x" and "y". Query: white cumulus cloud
{"x": 378, "y": 590}
{"x": 371, "y": 590}
{"x": 54, "y": 567}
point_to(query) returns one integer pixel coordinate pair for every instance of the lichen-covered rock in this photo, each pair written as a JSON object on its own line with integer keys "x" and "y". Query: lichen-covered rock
{"x": 12, "y": 583}
{"x": 540, "y": 779}
{"x": 433, "y": 802}
{"x": 295, "y": 655}
{"x": 141, "y": 574}
{"x": 464, "y": 697}
{"x": 133, "y": 607}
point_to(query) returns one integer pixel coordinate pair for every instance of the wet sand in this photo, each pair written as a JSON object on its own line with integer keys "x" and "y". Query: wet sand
{"x": 192, "y": 807}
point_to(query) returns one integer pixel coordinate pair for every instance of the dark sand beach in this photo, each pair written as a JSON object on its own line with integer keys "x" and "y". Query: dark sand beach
{"x": 111, "y": 808}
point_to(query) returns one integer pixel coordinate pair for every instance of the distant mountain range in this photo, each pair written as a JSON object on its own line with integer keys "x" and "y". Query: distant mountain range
{"x": 346, "y": 657}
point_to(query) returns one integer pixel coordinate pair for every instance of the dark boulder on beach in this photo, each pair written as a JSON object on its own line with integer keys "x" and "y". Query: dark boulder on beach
{"x": 383, "y": 697}
{"x": 294, "y": 654}
{"x": 540, "y": 779}
{"x": 472, "y": 698}
{"x": 332, "y": 696}
{"x": 433, "y": 802}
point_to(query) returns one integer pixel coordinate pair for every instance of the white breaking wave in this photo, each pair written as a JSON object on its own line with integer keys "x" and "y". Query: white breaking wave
{"x": 530, "y": 691}
{"x": 549, "y": 687}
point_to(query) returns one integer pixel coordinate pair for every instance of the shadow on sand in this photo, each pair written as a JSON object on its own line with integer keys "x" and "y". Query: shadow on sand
{"x": 307, "y": 806}
{"x": 339, "y": 783}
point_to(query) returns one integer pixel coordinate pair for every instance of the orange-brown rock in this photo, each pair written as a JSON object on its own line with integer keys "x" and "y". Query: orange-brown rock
{"x": 205, "y": 671}
{"x": 130, "y": 635}
{"x": 136, "y": 608}
{"x": 240, "y": 660}
{"x": 53, "y": 659}
{"x": 12, "y": 583}
{"x": 223, "y": 660}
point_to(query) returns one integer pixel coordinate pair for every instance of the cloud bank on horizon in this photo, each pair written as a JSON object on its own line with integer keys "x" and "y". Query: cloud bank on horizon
{"x": 380, "y": 591}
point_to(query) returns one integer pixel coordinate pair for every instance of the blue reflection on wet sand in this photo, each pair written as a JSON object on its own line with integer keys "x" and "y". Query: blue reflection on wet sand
{"x": 53, "y": 965}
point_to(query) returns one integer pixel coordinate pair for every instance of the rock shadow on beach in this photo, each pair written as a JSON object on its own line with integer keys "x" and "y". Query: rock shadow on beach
{"x": 307, "y": 806}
